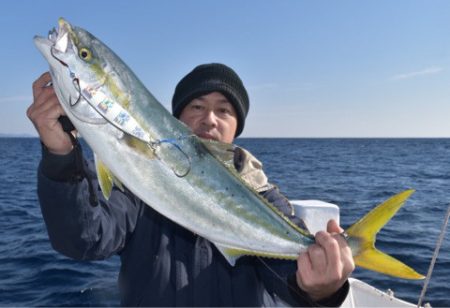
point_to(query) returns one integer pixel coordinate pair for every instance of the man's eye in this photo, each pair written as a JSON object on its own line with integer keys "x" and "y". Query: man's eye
{"x": 197, "y": 107}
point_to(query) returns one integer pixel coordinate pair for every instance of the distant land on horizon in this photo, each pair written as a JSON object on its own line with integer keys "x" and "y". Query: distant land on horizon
{"x": 25, "y": 135}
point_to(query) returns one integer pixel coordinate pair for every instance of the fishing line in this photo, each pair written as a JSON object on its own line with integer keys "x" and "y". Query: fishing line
{"x": 274, "y": 272}
{"x": 283, "y": 280}
{"x": 292, "y": 288}
{"x": 120, "y": 118}
{"x": 120, "y": 123}
{"x": 279, "y": 277}
{"x": 433, "y": 260}
{"x": 153, "y": 144}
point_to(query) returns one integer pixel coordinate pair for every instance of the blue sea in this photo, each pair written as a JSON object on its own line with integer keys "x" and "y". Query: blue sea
{"x": 356, "y": 174}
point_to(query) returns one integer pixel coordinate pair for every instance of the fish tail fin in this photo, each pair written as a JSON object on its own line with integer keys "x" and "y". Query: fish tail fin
{"x": 362, "y": 236}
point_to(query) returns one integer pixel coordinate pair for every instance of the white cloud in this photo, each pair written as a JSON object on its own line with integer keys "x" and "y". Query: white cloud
{"x": 428, "y": 71}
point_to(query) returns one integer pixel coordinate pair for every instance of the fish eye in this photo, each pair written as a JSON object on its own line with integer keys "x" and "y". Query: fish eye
{"x": 85, "y": 54}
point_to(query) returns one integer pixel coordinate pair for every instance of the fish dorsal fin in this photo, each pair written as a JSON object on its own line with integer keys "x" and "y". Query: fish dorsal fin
{"x": 251, "y": 170}
{"x": 106, "y": 179}
{"x": 224, "y": 152}
{"x": 242, "y": 164}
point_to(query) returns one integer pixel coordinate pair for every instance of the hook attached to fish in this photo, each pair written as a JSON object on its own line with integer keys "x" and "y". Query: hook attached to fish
{"x": 119, "y": 117}
{"x": 116, "y": 114}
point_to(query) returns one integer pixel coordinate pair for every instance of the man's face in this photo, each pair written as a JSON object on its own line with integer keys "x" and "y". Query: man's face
{"x": 211, "y": 116}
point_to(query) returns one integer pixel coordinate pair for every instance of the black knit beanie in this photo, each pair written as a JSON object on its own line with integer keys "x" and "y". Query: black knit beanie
{"x": 207, "y": 78}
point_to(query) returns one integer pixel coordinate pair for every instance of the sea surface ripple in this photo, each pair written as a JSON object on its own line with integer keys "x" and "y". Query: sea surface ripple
{"x": 355, "y": 174}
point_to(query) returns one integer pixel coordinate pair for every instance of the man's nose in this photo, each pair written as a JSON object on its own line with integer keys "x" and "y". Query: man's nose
{"x": 210, "y": 118}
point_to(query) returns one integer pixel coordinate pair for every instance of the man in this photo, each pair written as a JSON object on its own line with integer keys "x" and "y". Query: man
{"x": 164, "y": 264}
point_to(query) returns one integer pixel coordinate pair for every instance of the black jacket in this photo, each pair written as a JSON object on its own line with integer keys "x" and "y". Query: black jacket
{"x": 162, "y": 264}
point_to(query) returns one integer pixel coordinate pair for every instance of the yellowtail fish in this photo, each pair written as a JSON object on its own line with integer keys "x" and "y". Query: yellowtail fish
{"x": 139, "y": 144}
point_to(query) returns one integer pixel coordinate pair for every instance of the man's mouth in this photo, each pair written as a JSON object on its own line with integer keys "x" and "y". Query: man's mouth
{"x": 206, "y": 135}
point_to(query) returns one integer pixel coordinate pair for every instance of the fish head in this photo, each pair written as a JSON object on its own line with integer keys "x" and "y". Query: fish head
{"x": 77, "y": 57}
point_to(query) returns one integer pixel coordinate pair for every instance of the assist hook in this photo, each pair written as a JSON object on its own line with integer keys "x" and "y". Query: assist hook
{"x": 76, "y": 84}
{"x": 173, "y": 142}
{"x": 75, "y": 81}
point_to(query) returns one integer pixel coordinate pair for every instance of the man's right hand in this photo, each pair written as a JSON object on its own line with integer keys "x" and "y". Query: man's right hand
{"x": 44, "y": 113}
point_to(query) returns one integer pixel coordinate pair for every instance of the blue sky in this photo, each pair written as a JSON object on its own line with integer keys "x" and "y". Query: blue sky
{"x": 312, "y": 68}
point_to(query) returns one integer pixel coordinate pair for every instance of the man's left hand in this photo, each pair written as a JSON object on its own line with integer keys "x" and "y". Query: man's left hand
{"x": 326, "y": 265}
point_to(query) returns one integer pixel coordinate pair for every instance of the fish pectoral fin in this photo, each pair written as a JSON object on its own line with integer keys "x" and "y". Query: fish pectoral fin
{"x": 118, "y": 184}
{"x": 106, "y": 178}
{"x": 362, "y": 237}
{"x": 378, "y": 261}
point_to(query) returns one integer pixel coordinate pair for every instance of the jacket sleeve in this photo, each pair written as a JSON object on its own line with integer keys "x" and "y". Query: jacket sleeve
{"x": 279, "y": 275}
{"x": 76, "y": 227}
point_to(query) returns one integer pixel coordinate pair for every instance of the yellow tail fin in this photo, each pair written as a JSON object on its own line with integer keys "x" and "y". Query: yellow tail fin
{"x": 362, "y": 236}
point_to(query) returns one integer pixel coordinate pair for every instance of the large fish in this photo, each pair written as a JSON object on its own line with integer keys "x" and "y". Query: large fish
{"x": 138, "y": 143}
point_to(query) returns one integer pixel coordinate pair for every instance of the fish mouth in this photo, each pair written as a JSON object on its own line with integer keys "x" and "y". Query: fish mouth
{"x": 60, "y": 36}
{"x": 58, "y": 41}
